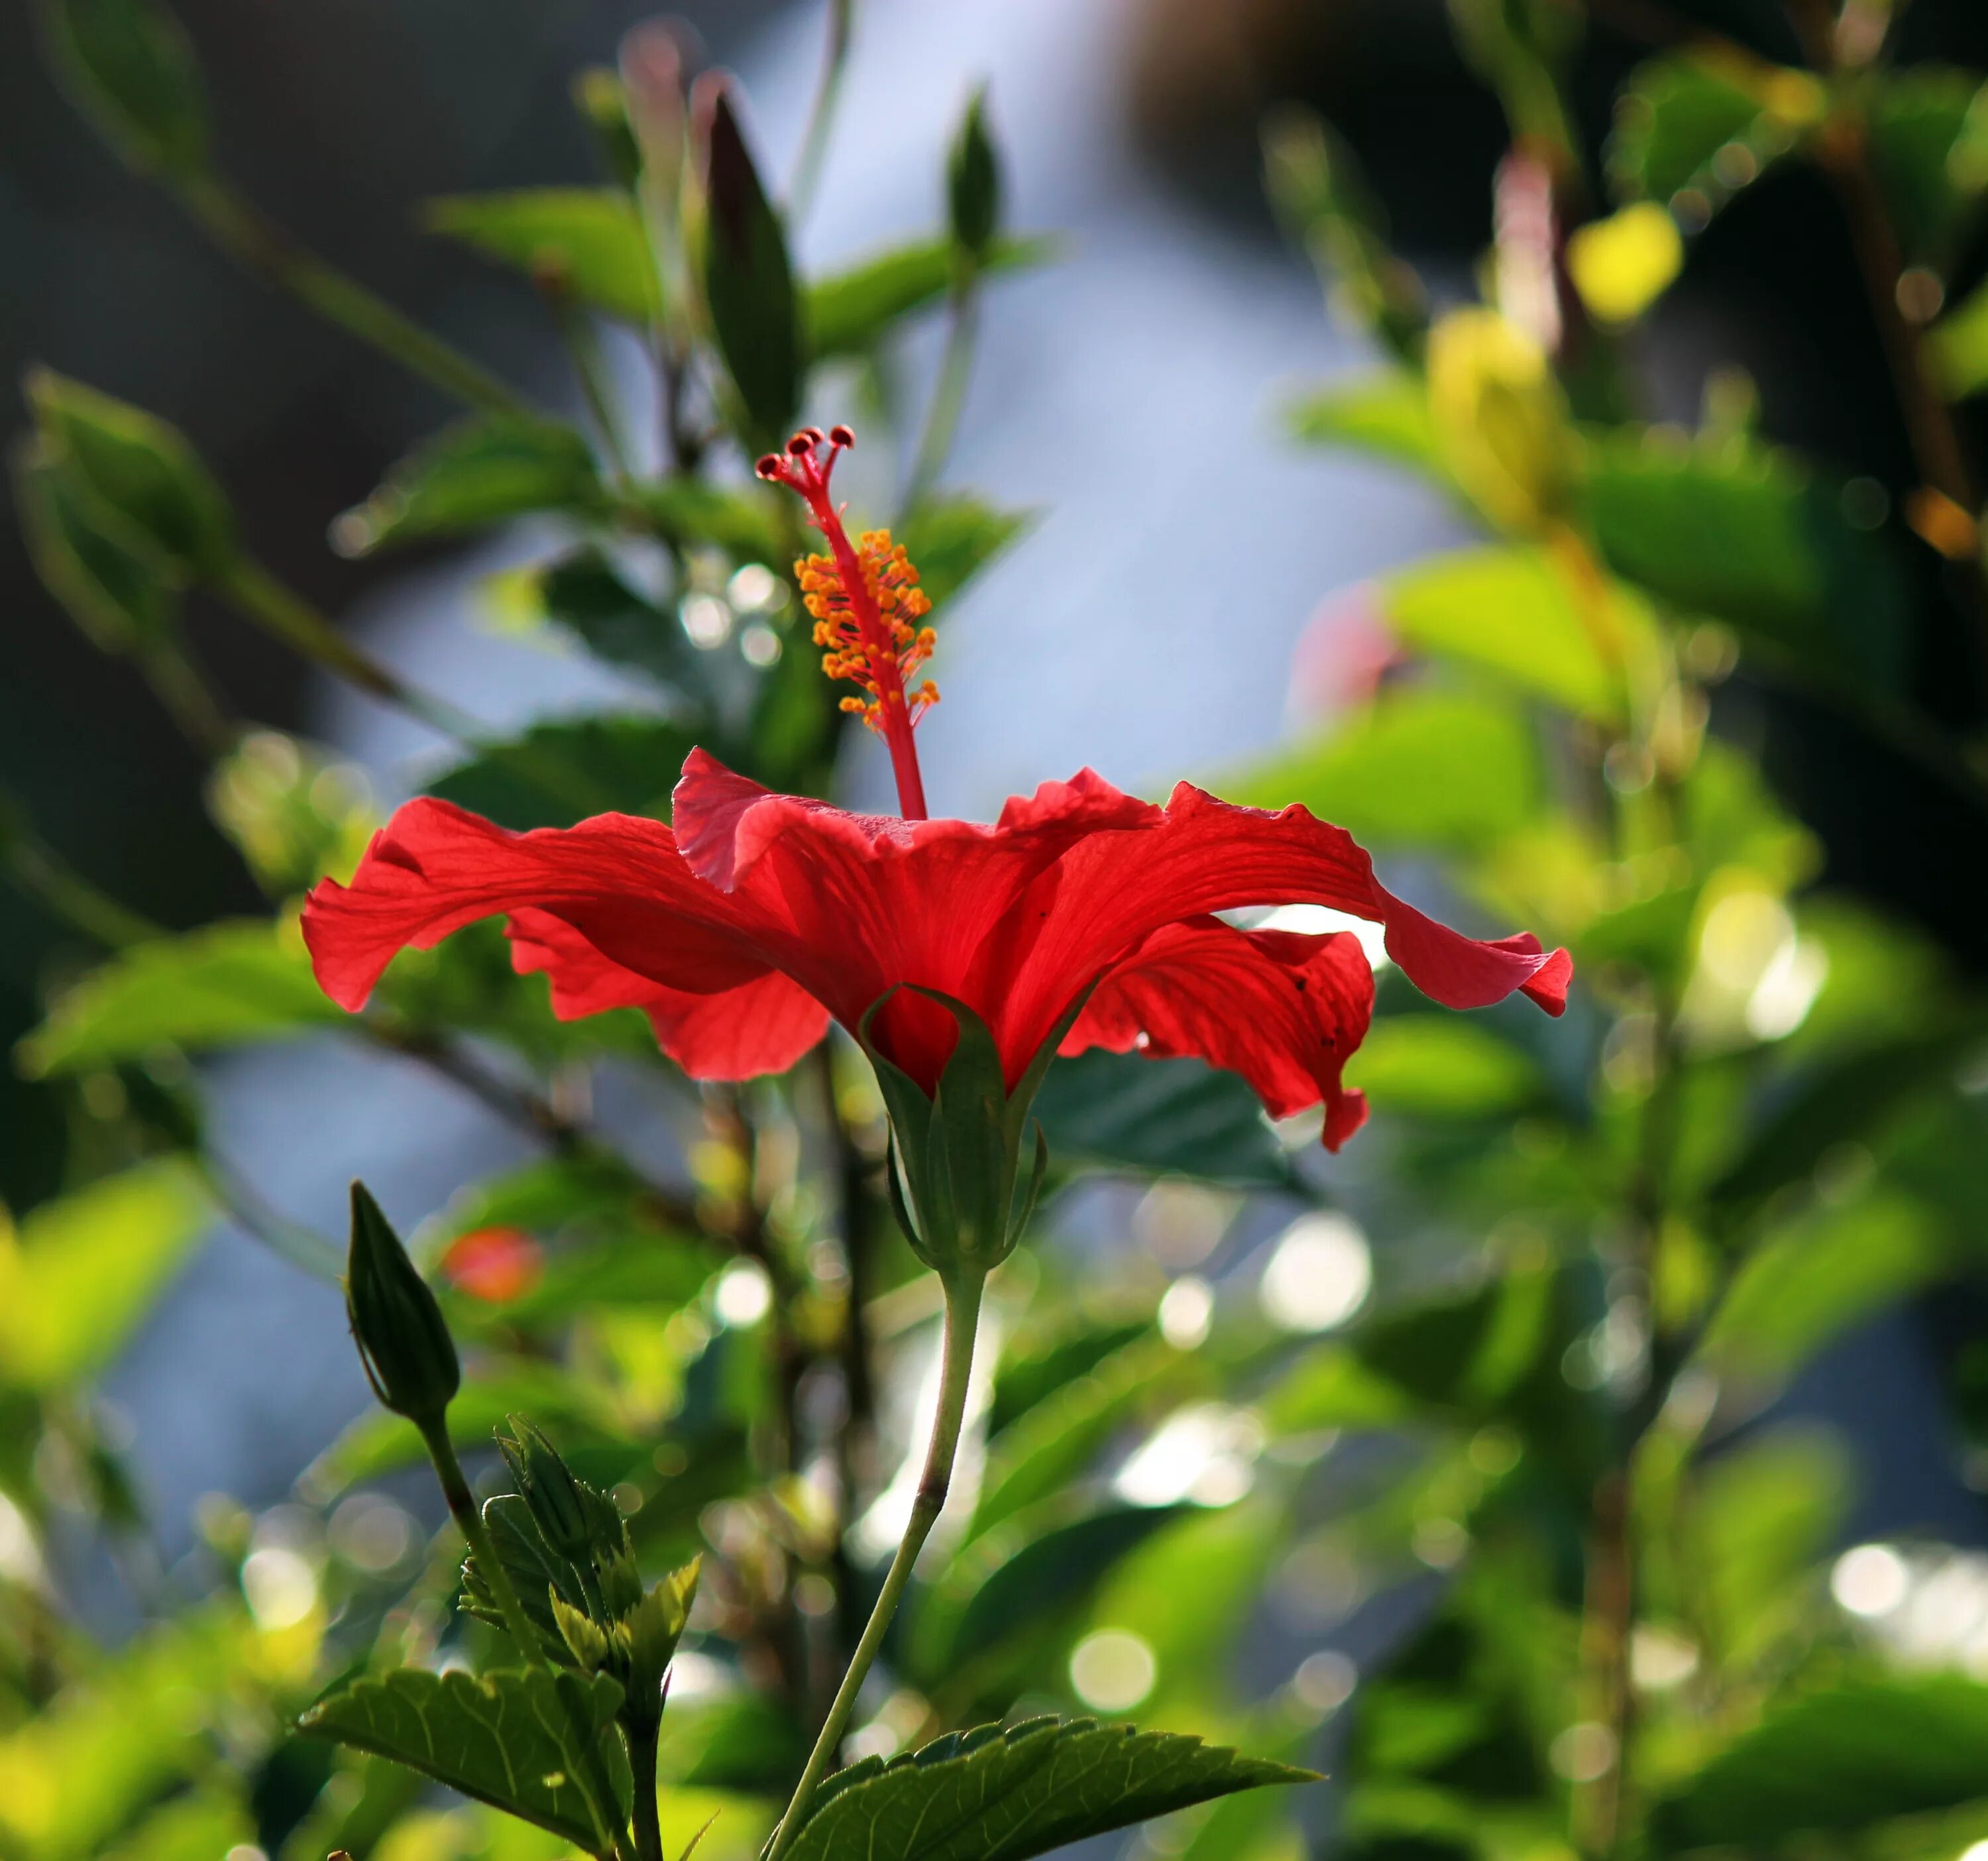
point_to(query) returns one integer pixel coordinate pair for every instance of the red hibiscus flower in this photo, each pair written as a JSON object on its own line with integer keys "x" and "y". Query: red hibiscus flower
{"x": 741, "y": 929}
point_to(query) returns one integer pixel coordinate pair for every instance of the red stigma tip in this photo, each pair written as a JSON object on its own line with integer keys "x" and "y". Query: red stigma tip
{"x": 800, "y": 445}
{"x": 841, "y": 438}
{"x": 771, "y": 467}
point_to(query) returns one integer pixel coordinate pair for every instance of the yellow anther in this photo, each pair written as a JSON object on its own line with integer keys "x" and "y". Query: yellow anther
{"x": 848, "y": 649}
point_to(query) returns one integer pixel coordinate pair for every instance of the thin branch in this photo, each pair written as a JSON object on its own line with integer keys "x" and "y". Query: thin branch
{"x": 821, "y": 114}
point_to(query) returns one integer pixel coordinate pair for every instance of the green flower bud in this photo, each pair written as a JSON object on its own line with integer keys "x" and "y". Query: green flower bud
{"x": 973, "y": 182}
{"x": 577, "y": 1522}
{"x": 129, "y": 67}
{"x": 409, "y": 1356}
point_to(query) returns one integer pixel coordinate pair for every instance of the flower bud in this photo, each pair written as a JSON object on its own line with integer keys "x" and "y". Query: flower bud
{"x": 973, "y": 182}
{"x": 576, "y": 1521}
{"x": 409, "y": 1357}
{"x": 130, "y": 69}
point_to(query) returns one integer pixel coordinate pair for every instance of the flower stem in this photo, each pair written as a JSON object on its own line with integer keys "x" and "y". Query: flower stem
{"x": 821, "y": 113}
{"x": 948, "y": 397}
{"x": 962, "y": 1319}
{"x": 469, "y": 1521}
{"x": 264, "y": 248}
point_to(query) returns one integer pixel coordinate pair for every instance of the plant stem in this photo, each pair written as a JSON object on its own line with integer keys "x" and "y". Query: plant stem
{"x": 189, "y": 700}
{"x": 821, "y": 114}
{"x": 469, "y": 1521}
{"x": 949, "y": 397}
{"x": 265, "y": 248}
{"x": 962, "y": 1319}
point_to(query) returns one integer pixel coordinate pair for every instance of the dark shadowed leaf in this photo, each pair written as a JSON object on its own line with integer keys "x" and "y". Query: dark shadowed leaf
{"x": 1679, "y": 113}
{"x": 586, "y": 594}
{"x": 1159, "y": 1116}
{"x": 471, "y": 475}
{"x": 120, "y": 600}
{"x": 504, "y": 1738}
{"x": 1005, "y": 1794}
{"x": 1922, "y": 120}
{"x": 558, "y": 773}
{"x": 587, "y": 241}
{"x": 127, "y": 65}
{"x": 1837, "y": 1762}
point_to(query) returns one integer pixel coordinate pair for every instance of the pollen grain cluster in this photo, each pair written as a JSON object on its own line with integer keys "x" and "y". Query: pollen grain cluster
{"x": 891, "y": 582}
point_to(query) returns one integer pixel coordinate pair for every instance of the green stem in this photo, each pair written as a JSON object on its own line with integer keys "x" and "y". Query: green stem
{"x": 962, "y": 1319}
{"x": 948, "y": 399}
{"x": 263, "y": 247}
{"x": 469, "y": 1521}
{"x": 189, "y": 700}
{"x": 648, "y": 1828}
{"x": 821, "y": 114}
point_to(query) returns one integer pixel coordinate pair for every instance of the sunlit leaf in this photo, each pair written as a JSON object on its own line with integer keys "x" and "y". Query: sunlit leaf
{"x": 192, "y": 1827}
{"x": 81, "y": 1272}
{"x": 1386, "y": 415}
{"x": 503, "y": 1738}
{"x": 220, "y": 986}
{"x": 1430, "y": 1066}
{"x": 1005, "y": 1793}
{"x": 1703, "y": 121}
{"x": 1513, "y": 613}
{"x": 1957, "y": 346}
{"x": 1419, "y": 768}
{"x": 848, "y": 311}
{"x": 479, "y": 473}
{"x": 1837, "y": 1762}
{"x": 586, "y": 241}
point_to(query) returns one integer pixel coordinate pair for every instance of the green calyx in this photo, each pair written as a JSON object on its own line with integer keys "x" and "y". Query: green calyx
{"x": 956, "y": 1156}
{"x": 404, "y": 1343}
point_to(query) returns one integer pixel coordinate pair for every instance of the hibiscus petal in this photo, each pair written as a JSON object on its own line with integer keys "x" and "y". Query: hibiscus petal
{"x": 1284, "y": 1010}
{"x": 1113, "y": 891}
{"x": 764, "y": 1026}
{"x": 617, "y": 880}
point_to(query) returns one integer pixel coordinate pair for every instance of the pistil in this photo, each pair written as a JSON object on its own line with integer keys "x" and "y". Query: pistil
{"x": 866, "y": 606}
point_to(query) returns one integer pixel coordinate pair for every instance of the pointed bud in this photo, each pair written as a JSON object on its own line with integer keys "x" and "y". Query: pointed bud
{"x": 409, "y": 1357}
{"x": 654, "y": 63}
{"x": 576, "y": 1521}
{"x": 973, "y": 182}
{"x": 144, "y": 485}
{"x": 739, "y": 254}
{"x": 128, "y": 67}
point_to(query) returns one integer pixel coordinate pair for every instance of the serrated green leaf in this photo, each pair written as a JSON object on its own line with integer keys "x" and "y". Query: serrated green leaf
{"x": 589, "y": 240}
{"x": 129, "y": 68}
{"x": 142, "y": 480}
{"x": 1387, "y": 414}
{"x": 504, "y": 1738}
{"x": 1156, "y": 1117}
{"x": 1511, "y": 612}
{"x": 82, "y": 1271}
{"x": 222, "y": 985}
{"x": 1005, "y": 1794}
{"x": 557, "y": 773}
{"x": 1418, "y": 768}
{"x": 849, "y": 311}
{"x": 1746, "y": 534}
{"x": 479, "y": 473}
{"x": 952, "y": 539}
{"x": 1836, "y": 1761}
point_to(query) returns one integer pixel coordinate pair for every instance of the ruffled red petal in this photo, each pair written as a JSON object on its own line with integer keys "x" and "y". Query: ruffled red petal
{"x": 1284, "y": 1010}
{"x": 762, "y": 1027}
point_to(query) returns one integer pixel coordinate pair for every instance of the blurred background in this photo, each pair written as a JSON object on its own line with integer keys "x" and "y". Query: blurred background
{"x": 1170, "y": 611}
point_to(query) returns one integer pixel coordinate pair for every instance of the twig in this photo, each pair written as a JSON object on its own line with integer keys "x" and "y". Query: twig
{"x": 821, "y": 114}
{"x": 948, "y": 396}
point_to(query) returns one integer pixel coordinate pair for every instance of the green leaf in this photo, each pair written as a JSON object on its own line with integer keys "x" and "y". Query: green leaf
{"x": 1957, "y": 347}
{"x": 1418, "y": 768}
{"x": 973, "y": 181}
{"x": 1387, "y": 414}
{"x": 1837, "y": 1762}
{"x": 688, "y": 510}
{"x": 478, "y": 472}
{"x": 585, "y": 593}
{"x": 142, "y": 482}
{"x": 1005, "y": 1793}
{"x": 1920, "y": 120}
{"x": 1466, "y": 1351}
{"x": 1835, "y": 1267}
{"x": 128, "y": 66}
{"x": 739, "y": 251}
{"x": 504, "y": 1738}
{"x": 1159, "y": 1117}
{"x": 559, "y": 773}
{"x": 1329, "y": 1387}
{"x": 1711, "y": 124}
{"x": 1746, "y": 534}
{"x": 81, "y": 1272}
{"x": 1509, "y": 611}
{"x": 220, "y": 986}
{"x": 848, "y": 312}
{"x": 119, "y": 600}
{"x": 950, "y": 540}
{"x": 193, "y": 1828}
{"x": 588, "y": 242}
{"x": 1431, "y": 1066}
